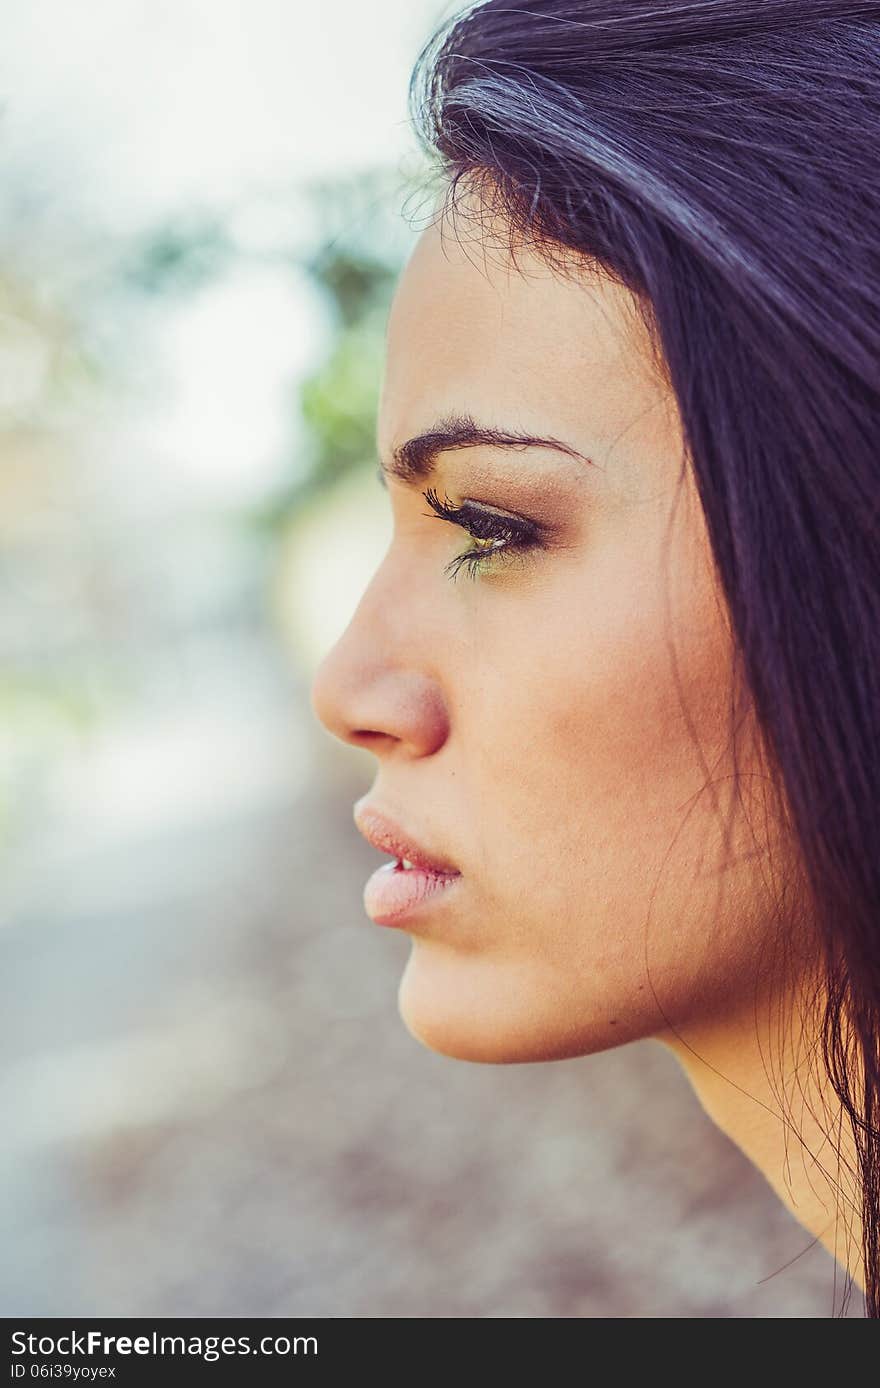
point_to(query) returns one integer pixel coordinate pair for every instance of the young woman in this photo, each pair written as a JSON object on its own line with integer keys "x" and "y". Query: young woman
{"x": 620, "y": 667}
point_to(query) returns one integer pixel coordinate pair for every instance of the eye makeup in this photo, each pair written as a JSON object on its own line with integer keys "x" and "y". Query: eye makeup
{"x": 498, "y": 536}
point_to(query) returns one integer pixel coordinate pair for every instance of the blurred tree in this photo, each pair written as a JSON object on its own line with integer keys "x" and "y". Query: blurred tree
{"x": 179, "y": 256}
{"x": 355, "y": 267}
{"x": 66, "y": 357}
{"x": 49, "y": 691}
{"x": 353, "y": 254}
{"x": 354, "y": 283}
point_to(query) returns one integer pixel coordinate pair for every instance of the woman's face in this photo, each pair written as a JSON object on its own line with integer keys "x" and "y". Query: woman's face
{"x": 557, "y": 725}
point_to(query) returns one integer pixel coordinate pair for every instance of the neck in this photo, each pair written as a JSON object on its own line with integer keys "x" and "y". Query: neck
{"x": 759, "y": 1074}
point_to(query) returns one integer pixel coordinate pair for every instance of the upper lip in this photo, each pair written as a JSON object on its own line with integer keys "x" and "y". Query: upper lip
{"x": 388, "y": 837}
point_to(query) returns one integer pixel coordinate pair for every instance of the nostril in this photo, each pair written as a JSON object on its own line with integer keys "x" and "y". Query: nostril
{"x": 367, "y": 737}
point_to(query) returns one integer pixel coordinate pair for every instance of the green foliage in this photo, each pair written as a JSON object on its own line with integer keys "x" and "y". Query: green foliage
{"x": 338, "y": 403}
{"x": 358, "y": 242}
{"x": 338, "y": 400}
{"x": 354, "y": 283}
{"x": 178, "y": 257}
{"x": 355, "y": 266}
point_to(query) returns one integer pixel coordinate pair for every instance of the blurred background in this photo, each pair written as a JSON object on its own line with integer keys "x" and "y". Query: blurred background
{"x": 211, "y": 1106}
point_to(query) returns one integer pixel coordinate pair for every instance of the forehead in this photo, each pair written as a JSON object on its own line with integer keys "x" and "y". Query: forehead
{"x": 471, "y": 329}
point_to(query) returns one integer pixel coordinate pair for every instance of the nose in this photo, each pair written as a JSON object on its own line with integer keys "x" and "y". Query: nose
{"x": 374, "y": 689}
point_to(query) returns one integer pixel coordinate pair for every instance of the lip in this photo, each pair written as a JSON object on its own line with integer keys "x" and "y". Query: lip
{"x": 388, "y": 837}
{"x": 394, "y": 895}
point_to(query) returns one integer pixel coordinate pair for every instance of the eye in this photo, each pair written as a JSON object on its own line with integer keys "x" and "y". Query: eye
{"x": 496, "y": 537}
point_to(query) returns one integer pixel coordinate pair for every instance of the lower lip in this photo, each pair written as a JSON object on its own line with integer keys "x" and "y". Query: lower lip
{"x": 394, "y": 893}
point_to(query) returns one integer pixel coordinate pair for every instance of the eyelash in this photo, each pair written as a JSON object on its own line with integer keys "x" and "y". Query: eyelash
{"x": 511, "y": 538}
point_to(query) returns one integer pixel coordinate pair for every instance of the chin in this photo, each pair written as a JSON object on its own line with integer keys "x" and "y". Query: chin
{"x": 471, "y": 1007}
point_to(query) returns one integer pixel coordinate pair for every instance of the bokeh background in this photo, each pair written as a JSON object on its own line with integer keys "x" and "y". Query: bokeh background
{"x": 210, "y": 1105}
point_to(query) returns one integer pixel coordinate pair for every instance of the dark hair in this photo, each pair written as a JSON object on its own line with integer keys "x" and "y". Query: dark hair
{"x": 719, "y": 158}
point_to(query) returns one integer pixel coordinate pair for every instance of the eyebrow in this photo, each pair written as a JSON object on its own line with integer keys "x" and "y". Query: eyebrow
{"x": 414, "y": 460}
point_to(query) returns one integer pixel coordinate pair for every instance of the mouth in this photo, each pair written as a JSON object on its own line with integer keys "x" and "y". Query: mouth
{"x": 415, "y": 877}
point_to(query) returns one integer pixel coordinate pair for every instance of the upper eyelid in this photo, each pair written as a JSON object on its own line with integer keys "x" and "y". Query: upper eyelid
{"x": 458, "y": 515}
{"x": 481, "y": 508}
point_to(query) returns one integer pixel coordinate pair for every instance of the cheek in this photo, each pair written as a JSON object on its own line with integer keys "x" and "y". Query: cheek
{"x": 605, "y": 791}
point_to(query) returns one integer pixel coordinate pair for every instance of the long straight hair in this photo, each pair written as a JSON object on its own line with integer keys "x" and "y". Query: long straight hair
{"x": 719, "y": 158}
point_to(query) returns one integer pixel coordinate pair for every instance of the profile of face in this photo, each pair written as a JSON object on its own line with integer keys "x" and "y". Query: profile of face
{"x": 553, "y": 717}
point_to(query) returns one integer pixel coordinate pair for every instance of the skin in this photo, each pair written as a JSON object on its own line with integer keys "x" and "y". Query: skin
{"x": 563, "y": 728}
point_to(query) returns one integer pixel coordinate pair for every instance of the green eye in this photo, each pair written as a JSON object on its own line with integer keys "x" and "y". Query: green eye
{"x": 495, "y": 537}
